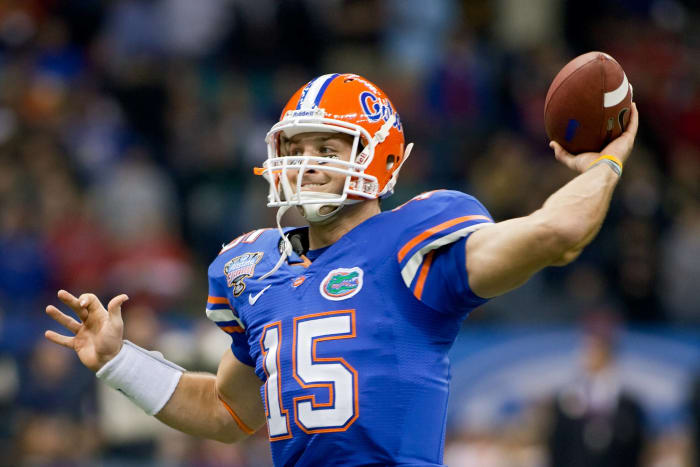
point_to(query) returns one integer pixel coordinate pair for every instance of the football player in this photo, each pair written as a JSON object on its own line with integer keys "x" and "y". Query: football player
{"x": 340, "y": 330}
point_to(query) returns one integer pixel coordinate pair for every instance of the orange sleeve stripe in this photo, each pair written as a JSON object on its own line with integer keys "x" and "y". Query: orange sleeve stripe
{"x": 433, "y": 230}
{"x": 217, "y": 300}
{"x": 420, "y": 283}
{"x": 244, "y": 428}
{"x": 230, "y": 329}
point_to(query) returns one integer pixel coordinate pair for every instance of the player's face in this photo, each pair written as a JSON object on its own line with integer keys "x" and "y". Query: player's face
{"x": 331, "y": 146}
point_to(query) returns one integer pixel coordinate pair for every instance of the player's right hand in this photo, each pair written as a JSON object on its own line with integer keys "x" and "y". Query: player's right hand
{"x": 98, "y": 336}
{"x": 620, "y": 147}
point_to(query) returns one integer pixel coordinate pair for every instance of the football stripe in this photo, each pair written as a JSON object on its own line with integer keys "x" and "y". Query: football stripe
{"x": 436, "y": 229}
{"x": 224, "y": 315}
{"x": 217, "y": 300}
{"x": 418, "y": 291}
{"x": 233, "y": 329}
{"x": 317, "y": 101}
{"x": 304, "y": 92}
{"x": 409, "y": 271}
{"x": 312, "y": 90}
{"x": 612, "y": 98}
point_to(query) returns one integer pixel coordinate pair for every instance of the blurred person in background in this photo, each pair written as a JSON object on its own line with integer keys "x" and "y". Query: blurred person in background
{"x": 55, "y": 413}
{"x": 9, "y": 388}
{"x": 695, "y": 418}
{"x": 385, "y": 327}
{"x": 595, "y": 420}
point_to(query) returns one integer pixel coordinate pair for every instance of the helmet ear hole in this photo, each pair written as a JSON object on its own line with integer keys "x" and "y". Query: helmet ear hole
{"x": 390, "y": 161}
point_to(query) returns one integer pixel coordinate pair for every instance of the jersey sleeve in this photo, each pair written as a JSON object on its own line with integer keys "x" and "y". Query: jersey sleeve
{"x": 220, "y": 311}
{"x": 432, "y": 248}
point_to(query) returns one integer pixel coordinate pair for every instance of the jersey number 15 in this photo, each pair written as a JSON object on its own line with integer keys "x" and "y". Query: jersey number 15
{"x": 310, "y": 371}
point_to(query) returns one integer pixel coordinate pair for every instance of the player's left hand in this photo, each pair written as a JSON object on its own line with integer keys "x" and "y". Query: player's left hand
{"x": 620, "y": 147}
{"x": 98, "y": 335}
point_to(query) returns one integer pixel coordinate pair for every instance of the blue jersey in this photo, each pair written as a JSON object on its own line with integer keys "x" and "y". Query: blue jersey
{"x": 352, "y": 347}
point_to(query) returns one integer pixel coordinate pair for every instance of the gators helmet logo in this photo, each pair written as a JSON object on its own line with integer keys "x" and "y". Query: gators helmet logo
{"x": 341, "y": 283}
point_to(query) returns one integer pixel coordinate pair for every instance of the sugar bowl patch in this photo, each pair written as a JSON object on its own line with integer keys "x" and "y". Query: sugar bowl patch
{"x": 240, "y": 268}
{"x": 342, "y": 283}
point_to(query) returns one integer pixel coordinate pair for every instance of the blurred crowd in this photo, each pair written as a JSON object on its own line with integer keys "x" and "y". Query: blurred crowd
{"x": 129, "y": 130}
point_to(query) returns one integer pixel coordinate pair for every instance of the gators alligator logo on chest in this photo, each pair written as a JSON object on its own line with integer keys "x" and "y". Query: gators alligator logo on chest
{"x": 342, "y": 283}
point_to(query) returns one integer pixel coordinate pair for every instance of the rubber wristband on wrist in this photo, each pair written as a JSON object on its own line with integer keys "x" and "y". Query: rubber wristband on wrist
{"x": 612, "y": 161}
{"x": 144, "y": 376}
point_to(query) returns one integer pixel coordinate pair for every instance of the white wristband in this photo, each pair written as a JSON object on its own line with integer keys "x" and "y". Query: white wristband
{"x": 144, "y": 376}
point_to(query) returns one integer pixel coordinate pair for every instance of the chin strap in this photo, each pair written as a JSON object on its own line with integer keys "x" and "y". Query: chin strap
{"x": 286, "y": 251}
{"x": 311, "y": 212}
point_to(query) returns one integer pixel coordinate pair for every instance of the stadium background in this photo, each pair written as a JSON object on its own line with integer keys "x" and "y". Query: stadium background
{"x": 128, "y": 133}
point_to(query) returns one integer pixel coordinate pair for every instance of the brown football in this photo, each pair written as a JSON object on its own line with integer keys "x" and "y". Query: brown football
{"x": 588, "y": 103}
